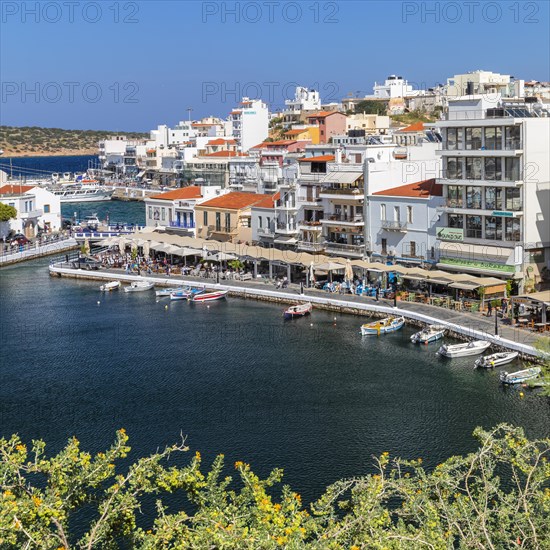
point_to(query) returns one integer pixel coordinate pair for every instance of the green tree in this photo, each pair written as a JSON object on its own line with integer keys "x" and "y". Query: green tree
{"x": 7, "y": 213}
{"x": 371, "y": 107}
{"x": 497, "y": 497}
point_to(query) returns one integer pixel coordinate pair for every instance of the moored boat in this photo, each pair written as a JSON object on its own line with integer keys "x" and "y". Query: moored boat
{"x": 185, "y": 293}
{"x": 166, "y": 292}
{"x": 139, "y": 286}
{"x": 382, "y": 326}
{"x": 299, "y": 310}
{"x": 108, "y": 287}
{"x": 462, "y": 350}
{"x": 209, "y": 296}
{"x": 496, "y": 359}
{"x": 428, "y": 334}
{"x": 519, "y": 376}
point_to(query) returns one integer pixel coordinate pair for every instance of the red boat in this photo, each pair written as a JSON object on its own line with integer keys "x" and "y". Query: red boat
{"x": 209, "y": 296}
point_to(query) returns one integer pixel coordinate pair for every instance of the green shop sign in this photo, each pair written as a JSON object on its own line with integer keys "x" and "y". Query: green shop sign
{"x": 480, "y": 265}
{"x": 504, "y": 214}
{"x": 450, "y": 234}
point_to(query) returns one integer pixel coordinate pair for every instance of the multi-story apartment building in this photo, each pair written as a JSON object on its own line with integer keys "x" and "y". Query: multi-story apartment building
{"x": 304, "y": 100}
{"x": 250, "y": 123}
{"x": 496, "y": 186}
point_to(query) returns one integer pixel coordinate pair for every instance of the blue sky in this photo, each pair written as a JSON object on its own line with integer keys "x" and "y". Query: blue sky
{"x": 132, "y": 65}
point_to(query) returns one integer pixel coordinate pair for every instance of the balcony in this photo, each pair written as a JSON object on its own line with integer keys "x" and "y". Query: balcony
{"x": 343, "y": 194}
{"x": 31, "y": 214}
{"x": 222, "y": 230}
{"x": 182, "y": 224}
{"x": 394, "y": 226}
{"x": 309, "y": 201}
{"x": 266, "y": 232}
{"x": 286, "y": 229}
{"x": 340, "y": 219}
{"x": 310, "y": 226}
{"x": 285, "y": 206}
{"x": 355, "y": 250}
{"x": 310, "y": 246}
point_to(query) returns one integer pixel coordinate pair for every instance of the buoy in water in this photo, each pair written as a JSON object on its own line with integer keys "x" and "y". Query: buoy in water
{"x": 521, "y": 394}
{"x": 98, "y": 302}
{"x": 165, "y": 307}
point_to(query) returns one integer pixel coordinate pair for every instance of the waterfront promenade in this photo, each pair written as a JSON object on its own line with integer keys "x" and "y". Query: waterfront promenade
{"x": 460, "y": 324}
{"x": 37, "y": 251}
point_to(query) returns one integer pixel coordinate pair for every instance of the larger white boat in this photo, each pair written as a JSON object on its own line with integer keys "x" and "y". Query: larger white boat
{"x": 462, "y": 350}
{"x": 519, "y": 376}
{"x": 79, "y": 192}
{"x": 139, "y": 286}
{"x": 428, "y": 334}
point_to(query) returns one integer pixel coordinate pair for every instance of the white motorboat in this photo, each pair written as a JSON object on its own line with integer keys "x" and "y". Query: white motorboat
{"x": 382, "y": 326}
{"x": 166, "y": 292}
{"x": 496, "y": 359}
{"x": 209, "y": 296}
{"x": 462, "y": 350}
{"x": 428, "y": 334}
{"x": 299, "y": 310}
{"x": 519, "y": 376}
{"x": 139, "y": 286}
{"x": 108, "y": 287}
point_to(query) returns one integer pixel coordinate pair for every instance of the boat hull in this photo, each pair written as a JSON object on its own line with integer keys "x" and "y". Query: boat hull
{"x": 496, "y": 360}
{"x": 519, "y": 376}
{"x": 378, "y": 328}
{"x": 140, "y": 288}
{"x": 209, "y": 296}
{"x": 298, "y": 311}
{"x": 426, "y": 338}
{"x": 109, "y": 287}
{"x": 462, "y": 350}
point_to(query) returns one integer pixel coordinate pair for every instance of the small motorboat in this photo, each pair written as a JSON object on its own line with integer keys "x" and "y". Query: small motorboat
{"x": 108, "y": 287}
{"x": 428, "y": 334}
{"x": 185, "y": 293}
{"x": 209, "y": 296}
{"x": 166, "y": 292}
{"x": 299, "y": 310}
{"x": 519, "y": 376}
{"x": 139, "y": 286}
{"x": 462, "y": 350}
{"x": 496, "y": 359}
{"x": 388, "y": 324}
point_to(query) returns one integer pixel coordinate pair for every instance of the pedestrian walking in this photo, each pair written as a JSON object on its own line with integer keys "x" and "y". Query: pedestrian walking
{"x": 489, "y": 309}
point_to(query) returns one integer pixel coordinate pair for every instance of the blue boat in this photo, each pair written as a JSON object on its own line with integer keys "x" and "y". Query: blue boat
{"x": 185, "y": 293}
{"x": 388, "y": 324}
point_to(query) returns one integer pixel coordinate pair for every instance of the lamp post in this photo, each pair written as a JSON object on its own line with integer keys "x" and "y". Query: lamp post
{"x": 496, "y": 321}
{"x": 366, "y": 202}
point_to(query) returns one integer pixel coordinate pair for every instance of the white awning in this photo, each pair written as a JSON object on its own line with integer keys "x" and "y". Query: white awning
{"x": 341, "y": 177}
{"x": 285, "y": 240}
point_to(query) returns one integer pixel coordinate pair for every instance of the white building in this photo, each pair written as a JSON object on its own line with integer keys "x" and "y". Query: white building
{"x": 393, "y": 87}
{"x": 404, "y": 222}
{"x": 484, "y": 83}
{"x": 250, "y": 123}
{"x": 496, "y": 178}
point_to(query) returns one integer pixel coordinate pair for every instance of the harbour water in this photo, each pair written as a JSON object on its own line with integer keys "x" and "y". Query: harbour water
{"x": 115, "y": 211}
{"x": 32, "y": 167}
{"x": 311, "y": 395}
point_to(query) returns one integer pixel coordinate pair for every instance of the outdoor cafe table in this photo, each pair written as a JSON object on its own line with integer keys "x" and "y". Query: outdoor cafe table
{"x": 523, "y": 321}
{"x": 540, "y": 326}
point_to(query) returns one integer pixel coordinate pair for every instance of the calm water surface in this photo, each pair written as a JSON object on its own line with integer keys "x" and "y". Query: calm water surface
{"x": 317, "y": 400}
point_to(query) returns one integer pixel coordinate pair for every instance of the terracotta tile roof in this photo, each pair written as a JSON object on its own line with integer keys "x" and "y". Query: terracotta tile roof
{"x": 425, "y": 188}
{"x": 190, "y": 192}
{"x": 416, "y": 127}
{"x": 321, "y": 158}
{"x": 280, "y": 142}
{"x": 221, "y": 141}
{"x": 268, "y": 201}
{"x": 323, "y": 114}
{"x": 226, "y": 154}
{"x": 235, "y": 200}
{"x": 15, "y": 189}
{"x": 205, "y": 123}
{"x": 260, "y": 145}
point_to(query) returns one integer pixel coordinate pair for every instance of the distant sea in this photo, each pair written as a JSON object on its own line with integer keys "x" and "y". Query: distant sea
{"x": 32, "y": 167}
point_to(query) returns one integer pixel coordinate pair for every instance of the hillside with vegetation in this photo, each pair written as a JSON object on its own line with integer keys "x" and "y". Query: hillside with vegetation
{"x": 30, "y": 141}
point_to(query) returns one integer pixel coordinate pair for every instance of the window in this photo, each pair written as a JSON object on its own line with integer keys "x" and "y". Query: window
{"x": 454, "y": 196}
{"x": 268, "y": 222}
{"x": 228, "y": 222}
{"x": 493, "y": 198}
{"x": 473, "y": 227}
{"x": 150, "y": 215}
{"x": 412, "y": 248}
{"x": 384, "y": 246}
{"x": 163, "y": 214}
{"x": 396, "y": 213}
{"x": 473, "y": 168}
{"x": 493, "y": 168}
{"x": 218, "y": 221}
{"x": 493, "y": 228}
{"x": 318, "y": 167}
{"x": 205, "y": 218}
{"x": 454, "y": 138}
{"x": 455, "y": 221}
{"x": 493, "y": 138}
{"x": 46, "y": 209}
{"x": 473, "y": 139}
{"x": 259, "y": 221}
{"x": 512, "y": 229}
{"x": 513, "y": 198}
{"x": 473, "y": 197}
{"x": 383, "y": 212}
{"x": 511, "y": 170}
{"x": 454, "y": 168}
{"x": 409, "y": 214}
{"x": 512, "y": 137}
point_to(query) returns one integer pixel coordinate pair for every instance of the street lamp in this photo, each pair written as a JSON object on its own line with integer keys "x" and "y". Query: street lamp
{"x": 366, "y": 202}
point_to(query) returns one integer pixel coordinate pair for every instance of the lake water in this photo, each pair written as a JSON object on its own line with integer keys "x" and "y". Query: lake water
{"x": 311, "y": 395}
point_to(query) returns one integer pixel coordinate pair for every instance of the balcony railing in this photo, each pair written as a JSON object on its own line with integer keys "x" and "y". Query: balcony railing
{"x": 182, "y": 224}
{"x": 394, "y": 225}
{"x": 310, "y": 247}
{"x": 355, "y": 191}
{"x": 355, "y": 249}
{"x": 266, "y": 232}
{"x": 357, "y": 218}
{"x": 31, "y": 214}
{"x": 222, "y": 229}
